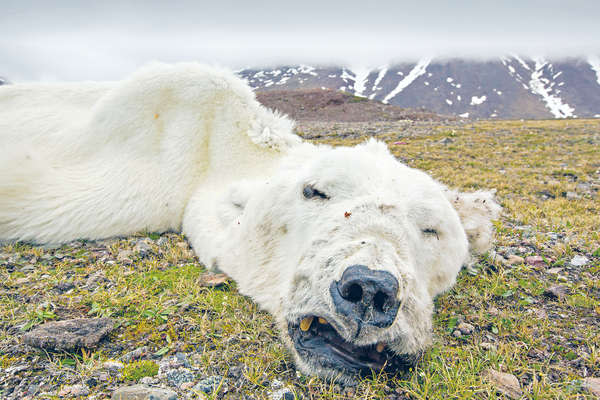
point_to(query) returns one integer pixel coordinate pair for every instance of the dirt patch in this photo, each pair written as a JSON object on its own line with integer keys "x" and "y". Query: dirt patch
{"x": 331, "y": 105}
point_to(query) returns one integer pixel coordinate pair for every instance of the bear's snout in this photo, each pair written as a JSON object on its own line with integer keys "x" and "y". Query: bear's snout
{"x": 366, "y": 296}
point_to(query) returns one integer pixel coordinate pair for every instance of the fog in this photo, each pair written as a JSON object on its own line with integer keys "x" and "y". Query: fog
{"x": 70, "y": 40}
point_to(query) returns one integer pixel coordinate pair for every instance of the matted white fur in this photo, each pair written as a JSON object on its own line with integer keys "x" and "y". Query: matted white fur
{"x": 187, "y": 147}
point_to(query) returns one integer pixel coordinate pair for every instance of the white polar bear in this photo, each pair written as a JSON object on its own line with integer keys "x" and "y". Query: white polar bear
{"x": 346, "y": 247}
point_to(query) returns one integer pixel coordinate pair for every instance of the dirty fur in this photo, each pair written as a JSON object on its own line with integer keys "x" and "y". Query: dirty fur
{"x": 188, "y": 148}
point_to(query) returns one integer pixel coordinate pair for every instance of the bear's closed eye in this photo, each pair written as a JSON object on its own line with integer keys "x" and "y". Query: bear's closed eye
{"x": 310, "y": 192}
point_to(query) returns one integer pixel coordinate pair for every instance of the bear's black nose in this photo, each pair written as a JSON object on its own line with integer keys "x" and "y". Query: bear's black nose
{"x": 367, "y": 296}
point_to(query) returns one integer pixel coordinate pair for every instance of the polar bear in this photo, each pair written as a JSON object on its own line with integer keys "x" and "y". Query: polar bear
{"x": 346, "y": 247}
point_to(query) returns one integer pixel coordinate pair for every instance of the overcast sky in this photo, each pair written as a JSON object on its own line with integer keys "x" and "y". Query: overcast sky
{"x": 99, "y": 40}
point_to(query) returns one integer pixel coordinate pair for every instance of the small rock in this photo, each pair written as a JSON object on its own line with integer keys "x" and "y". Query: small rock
{"x": 514, "y": 259}
{"x": 103, "y": 376}
{"x": 149, "y": 380}
{"x": 579, "y": 261}
{"x": 28, "y": 268}
{"x": 282, "y": 394}
{"x": 465, "y": 328}
{"x": 69, "y": 334}
{"x": 556, "y": 291}
{"x": 136, "y": 354}
{"x": 276, "y": 384}
{"x": 95, "y": 280}
{"x": 74, "y": 391}
{"x": 212, "y": 280}
{"x": 176, "y": 377}
{"x": 125, "y": 256}
{"x": 63, "y": 287}
{"x": 142, "y": 392}
{"x": 113, "y": 366}
{"x": 169, "y": 363}
{"x": 210, "y": 384}
{"x": 162, "y": 241}
{"x": 554, "y": 271}
{"x": 507, "y": 384}
{"x": 592, "y": 385}
{"x": 488, "y": 346}
{"x": 143, "y": 248}
{"x": 536, "y": 261}
{"x": 446, "y": 140}
{"x": 572, "y": 196}
{"x": 456, "y": 333}
{"x": 493, "y": 311}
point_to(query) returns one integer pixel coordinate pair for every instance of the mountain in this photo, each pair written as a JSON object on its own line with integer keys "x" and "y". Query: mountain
{"x": 508, "y": 87}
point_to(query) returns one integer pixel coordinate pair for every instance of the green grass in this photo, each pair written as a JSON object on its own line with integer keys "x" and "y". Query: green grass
{"x": 547, "y": 343}
{"x": 139, "y": 369}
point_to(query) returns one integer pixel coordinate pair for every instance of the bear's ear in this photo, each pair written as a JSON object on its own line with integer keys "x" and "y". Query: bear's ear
{"x": 476, "y": 211}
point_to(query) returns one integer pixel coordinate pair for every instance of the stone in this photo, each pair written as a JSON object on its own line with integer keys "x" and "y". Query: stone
{"x": 96, "y": 279}
{"x": 149, "y": 380}
{"x": 74, "y": 391}
{"x": 592, "y": 385}
{"x": 536, "y": 261}
{"x": 488, "y": 346}
{"x": 125, "y": 256}
{"x": 113, "y": 366}
{"x": 209, "y": 279}
{"x": 143, "y": 392}
{"x": 136, "y": 354}
{"x": 506, "y": 384}
{"x": 556, "y": 291}
{"x": 456, "y": 333}
{"x": 579, "y": 261}
{"x": 514, "y": 259}
{"x": 177, "y": 377}
{"x": 63, "y": 287}
{"x": 554, "y": 271}
{"x": 572, "y": 196}
{"x": 210, "y": 384}
{"x": 282, "y": 394}
{"x": 465, "y": 328}
{"x": 69, "y": 334}
{"x": 143, "y": 248}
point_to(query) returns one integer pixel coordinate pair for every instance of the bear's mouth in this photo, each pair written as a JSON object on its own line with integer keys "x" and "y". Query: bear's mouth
{"x": 318, "y": 343}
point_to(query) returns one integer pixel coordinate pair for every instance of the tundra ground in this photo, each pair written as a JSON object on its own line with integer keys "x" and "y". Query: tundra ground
{"x": 530, "y": 308}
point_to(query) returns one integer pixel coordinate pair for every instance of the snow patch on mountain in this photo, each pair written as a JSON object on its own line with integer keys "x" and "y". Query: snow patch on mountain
{"x": 543, "y": 88}
{"x": 417, "y": 71}
{"x": 382, "y": 71}
{"x": 475, "y": 101}
{"x": 360, "y": 80}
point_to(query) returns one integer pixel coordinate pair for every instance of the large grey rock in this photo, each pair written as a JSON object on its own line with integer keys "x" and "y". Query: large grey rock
{"x": 143, "y": 392}
{"x": 69, "y": 334}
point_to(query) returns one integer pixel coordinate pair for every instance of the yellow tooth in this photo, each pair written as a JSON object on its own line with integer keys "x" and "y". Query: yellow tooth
{"x": 305, "y": 323}
{"x": 380, "y": 347}
{"x": 322, "y": 321}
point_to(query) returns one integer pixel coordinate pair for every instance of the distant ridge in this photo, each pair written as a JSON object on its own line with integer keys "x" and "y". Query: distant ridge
{"x": 331, "y": 105}
{"x": 509, "y": 87}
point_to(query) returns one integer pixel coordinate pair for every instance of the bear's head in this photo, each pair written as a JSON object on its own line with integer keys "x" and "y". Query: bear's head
{"x": 347, "y": 247}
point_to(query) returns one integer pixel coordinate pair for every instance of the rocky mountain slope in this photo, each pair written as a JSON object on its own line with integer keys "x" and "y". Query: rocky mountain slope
{"x": 507, "y": 87}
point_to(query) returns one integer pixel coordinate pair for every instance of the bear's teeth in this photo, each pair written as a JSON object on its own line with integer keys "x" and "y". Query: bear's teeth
{"x": 380, "y": 347}
{"x": 305, "y": 323}
{"x": 322, "y": 321}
